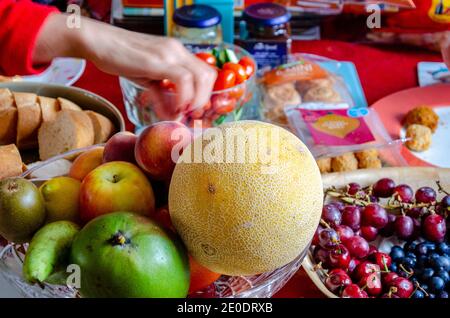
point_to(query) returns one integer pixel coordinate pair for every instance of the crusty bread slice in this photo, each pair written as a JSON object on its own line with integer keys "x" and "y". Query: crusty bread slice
{"x": 11, "y": 162}
{"x": 66, "y": 104}
{"x": 49, "y": 107}
{"x": 8, "y": 126}
{"x": 103, "y": 127}
{"x": 70, "y": 130}
{"x": 6, "y": 98}
{"x": 29, "y": 119}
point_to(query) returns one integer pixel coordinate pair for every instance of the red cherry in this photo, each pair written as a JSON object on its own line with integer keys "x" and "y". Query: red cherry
{"x": 351, "y": 216}
{"x": 388, "y": 278}
{"x": 364, "y": 269}
{"x": 374, "y": 215}
{"x": 372, "y": 284}
{"x": 402, "y": 287}
{"x": 331, "y": 214}
{"x": 369, "y": 233}
{"x": 337, "y": 278}
{"x": 340, "y": 257}
{"x": 352, "y": 265}
{"x": 372, "y": 249}
{"x": 353, "y": 291}
{"x": 434, "y": 228}
{"x": 357, "y": 246}
{"x": 315, "y": 240}
{"x": 389, "y": 295}
{"x": 344, "y": 232}
{"x": 383, "y": 260}
{"x": 321, "y": 255}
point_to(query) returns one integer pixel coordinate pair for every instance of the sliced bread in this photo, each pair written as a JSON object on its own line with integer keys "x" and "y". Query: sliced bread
{"x": 8, "y": 125}
{"x": 49, "y": 107}
{"x": 6, "y": 98}
{"x": 11, "y": 162}
{"x": 66, "y": 104}
{"x": 103, "y": 127}
{"x": 29, "y": 119}
{"x": 69, "y": 130}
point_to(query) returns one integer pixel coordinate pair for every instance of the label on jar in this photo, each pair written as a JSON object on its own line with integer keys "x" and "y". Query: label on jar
{"x": 196, "y": 48}
{"x": 268, "y": 53}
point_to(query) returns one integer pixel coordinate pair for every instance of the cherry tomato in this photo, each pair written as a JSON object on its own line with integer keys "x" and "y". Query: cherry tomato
{"x": 225, "y": 79}
{"x": 208, "y": 58}
{"x": 167, "y": 85}
{"x": 237, "y": 92}
{"x": 248, "y": 65}
{"x": 223, "y": 104}
{"x": 238, "y": 69}
{"x": 197, "y": 113}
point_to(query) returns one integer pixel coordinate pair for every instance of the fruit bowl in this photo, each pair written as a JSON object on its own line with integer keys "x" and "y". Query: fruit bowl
{"x": 12, "y": 256}
{"x": 414, "y": 177}
{"x": 148, "y": 105}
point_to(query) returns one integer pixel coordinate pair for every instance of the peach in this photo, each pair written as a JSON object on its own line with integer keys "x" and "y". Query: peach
{"x": 159, "y": 146}
{"x": 120, "y": 147}
{"x": 86, "y": 162}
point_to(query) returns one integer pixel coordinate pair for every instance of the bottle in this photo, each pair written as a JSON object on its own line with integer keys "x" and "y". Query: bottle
{"x": 267, "y": 34}
{"x": 197, "y": 26}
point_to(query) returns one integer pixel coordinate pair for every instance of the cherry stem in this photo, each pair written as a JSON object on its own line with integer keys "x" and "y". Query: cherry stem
{"x": 324, "y": 223}
{"x": 410, "y": 273}
{"x": 440, "y": 188}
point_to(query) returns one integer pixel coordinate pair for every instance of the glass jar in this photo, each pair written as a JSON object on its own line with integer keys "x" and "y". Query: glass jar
{"x": 266, "y": 33}
{"x": 197, "y": 25}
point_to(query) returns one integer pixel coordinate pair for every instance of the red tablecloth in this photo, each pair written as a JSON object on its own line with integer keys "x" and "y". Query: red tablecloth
{"x": 382, "y": 71}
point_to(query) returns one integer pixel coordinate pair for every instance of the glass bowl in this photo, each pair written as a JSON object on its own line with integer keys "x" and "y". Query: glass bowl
{"x": 148, "y": 105}
{"x": 12, "y": 255}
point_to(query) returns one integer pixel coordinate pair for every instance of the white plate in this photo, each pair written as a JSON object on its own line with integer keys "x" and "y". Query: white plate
{"x": 438, "y": 154}
{"x": 62, "y": 71}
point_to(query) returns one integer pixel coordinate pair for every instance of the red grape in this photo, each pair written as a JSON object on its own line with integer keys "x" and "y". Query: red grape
{"x": 369, "y": 233}
{"x": 404, "y": 193}
{"x": 425, "y": 195}
{"x": 351, "y": 216}
{"x": 434, "y": 227}
{"x": 353, "y": 188}
{"x": 331, "y": 214}
{"x": 374, "y": 215}
{"x": 415, "y": 212}
{"x": 344, "y": 232}
{"x": 404, "y": 226}
{"x": 340, "y": 205}
{"x": 328, "y": 238}
{"x": 339, "y": 257}
{"x": 357, "y": 246}
{"x": 384, "y": 188}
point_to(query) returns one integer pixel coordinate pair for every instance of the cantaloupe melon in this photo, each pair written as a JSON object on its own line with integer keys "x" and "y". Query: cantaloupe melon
{"x": 246, "y": 218}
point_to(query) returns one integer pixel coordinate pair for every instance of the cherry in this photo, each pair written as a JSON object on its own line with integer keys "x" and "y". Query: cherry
{"x": 337, "y": 278}
{"x": 339, "y": 257}
{"x": 372, "y": 250}
{"x": 315, "y": 240}
{"x": 425, "y": 195}
{"x": 353, "y": 188}
{"x": 344, "y": 232}
{"x": 384, "y": 188}
{"x": 374, "y": 215}
{"x": 351, "y": 216}
{"x": 357, "y": 246}
{"x": 353, "y": 291}
{"x": 331, "y": 214}
{"x": 404, "y": 193}
{"x": 371, "y": 284}
{"x": 402, "y": 287}
{"x": 389, "y": 295}
{"x": 321, "y": 255}
{"x": 352, "y": 265}
{"x": 364, "y": 269}
{"x": 389, "y": 229}
{"x": 328, "y": 238}
{"x": 369, "y": 233}
{"x": 383, "y": 260}
{"x": 388, "y": 278}
{"x": 404, "y": 226}
{"x": 434, "y": 228}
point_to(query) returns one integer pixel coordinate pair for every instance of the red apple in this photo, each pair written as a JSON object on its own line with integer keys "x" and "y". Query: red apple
{"x": 159, "y": 146}
{"x": 120, "y": 147}
{"x": 115, "y": 186}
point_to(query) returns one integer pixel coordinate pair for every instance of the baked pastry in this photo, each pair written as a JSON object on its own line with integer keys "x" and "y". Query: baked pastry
{"x": 29, "y": 119}
{"x": 103, "y": 127}
{"x": 70, "y": 130}
{"x": 277, "y": 98}
{"x": 324, "y": 165}
{"x": 420, "y": 137}
{"x": 345, "y": 162}
{"x": 49, "y": 107}
{"x": 11, "y": 162}
{"x": 422, "y": 115}
{"x": 66, "y": 104}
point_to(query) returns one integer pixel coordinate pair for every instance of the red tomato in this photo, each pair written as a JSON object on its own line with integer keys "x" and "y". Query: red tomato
{"x": 237, "y": 92}
{"x": 225, "y": 79}
{"x": 239, "y": 71}
{"x": 168, "y": 85}
{"x": 208, "y": 58}
{"x": 248, "y": 65}
{"x": 223, "y": 104}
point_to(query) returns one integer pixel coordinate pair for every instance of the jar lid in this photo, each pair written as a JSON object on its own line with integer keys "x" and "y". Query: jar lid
{"x": 267, "y": 14}
{"x": 197, "y": 16}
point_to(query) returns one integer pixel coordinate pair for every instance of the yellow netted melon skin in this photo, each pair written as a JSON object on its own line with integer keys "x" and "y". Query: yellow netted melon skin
{"x": 241, "y": 218}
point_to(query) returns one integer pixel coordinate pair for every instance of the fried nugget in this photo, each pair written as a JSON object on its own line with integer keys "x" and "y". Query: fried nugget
{"x": 324, "y": 165}
{"x": 422, "y": 115}
{"x": 420, "y": 137}
{"x": 367, "y": 154}
{"x": 345, "y": 162}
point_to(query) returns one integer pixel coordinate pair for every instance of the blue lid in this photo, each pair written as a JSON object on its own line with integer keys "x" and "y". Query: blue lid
{"x": 197, "y": 16}
{"x": 266, "y": 14}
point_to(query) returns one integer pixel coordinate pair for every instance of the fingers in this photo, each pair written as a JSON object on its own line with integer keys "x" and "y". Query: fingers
{"x": 446, "y": 50}
{"x": 204, "y": 78}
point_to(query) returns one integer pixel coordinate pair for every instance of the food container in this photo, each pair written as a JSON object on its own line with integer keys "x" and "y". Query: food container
{"x": 144, "y": 107}
{"x": 12, "y": 256}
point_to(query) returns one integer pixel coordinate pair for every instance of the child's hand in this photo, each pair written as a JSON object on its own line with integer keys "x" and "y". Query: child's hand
{"x": 446, "y": 50}
{"x": 140, "y": 57}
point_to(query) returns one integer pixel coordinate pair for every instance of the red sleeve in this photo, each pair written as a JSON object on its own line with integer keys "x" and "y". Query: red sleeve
{"x": 20, "y": 24}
